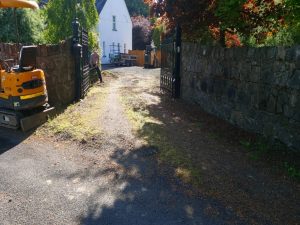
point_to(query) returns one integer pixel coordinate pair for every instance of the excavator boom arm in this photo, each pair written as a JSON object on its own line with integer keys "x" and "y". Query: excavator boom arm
{"x": 18, "y": 4}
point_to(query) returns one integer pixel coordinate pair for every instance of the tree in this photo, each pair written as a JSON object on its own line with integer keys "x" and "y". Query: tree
{"x": 22, "y": 25}
{"x": 222, "y": 20}
{"x": 141, "y": 32}
{"x": 195, "y": 17}
{"x": 60, "y": 14}
{"x": 250, "y": 18}
{"x": 137, "y": 8}
{"x": 293, "y": 19}
{"x": 156, "y": 35}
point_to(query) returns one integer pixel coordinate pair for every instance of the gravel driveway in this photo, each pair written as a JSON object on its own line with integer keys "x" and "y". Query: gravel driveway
{"x": 45, "y": 181}
{"x": 50, "y": 181}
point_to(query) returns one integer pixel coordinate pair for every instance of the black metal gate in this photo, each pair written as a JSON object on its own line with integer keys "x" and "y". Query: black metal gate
{"x": 170, "y": 64}
{"x": 85, "y": 77}
{"x": 81, "y": 55}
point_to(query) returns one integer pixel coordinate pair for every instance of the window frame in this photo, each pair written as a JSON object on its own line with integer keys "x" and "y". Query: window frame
{"x": 114, "y": 23}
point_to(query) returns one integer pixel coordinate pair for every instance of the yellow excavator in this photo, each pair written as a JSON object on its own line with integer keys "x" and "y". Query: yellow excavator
{"x": 23, "y": 92}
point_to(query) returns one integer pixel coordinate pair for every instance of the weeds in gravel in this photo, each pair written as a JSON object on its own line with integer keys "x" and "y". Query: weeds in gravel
{"x": 275, "y": 152}
{"x": 152, "y": 131}
{"x": 72, "y": 124}
{"x": 292, "y": 171}
{"x": 79, "y": 121}
{"x": 257, "y": 149}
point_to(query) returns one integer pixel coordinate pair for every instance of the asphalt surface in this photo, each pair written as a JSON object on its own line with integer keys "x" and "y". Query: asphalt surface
{"x": 48, "y": 182}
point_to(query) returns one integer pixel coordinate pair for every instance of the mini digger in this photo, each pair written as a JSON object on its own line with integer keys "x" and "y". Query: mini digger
{"x": 23, "y": 92}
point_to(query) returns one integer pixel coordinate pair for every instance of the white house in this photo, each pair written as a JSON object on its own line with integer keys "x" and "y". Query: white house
{"x": 115, "y": 28}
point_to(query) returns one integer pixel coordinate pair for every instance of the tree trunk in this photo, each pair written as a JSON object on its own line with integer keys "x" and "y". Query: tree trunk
{"x": 222, "y": 38}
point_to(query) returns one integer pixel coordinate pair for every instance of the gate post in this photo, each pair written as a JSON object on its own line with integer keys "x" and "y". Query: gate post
{"x": 77, "y": 51}
{"x": 177, "y": 62}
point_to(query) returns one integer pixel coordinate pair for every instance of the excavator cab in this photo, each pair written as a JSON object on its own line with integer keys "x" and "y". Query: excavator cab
{"x": 27, "y": 59}
{"x": 23, "y": 87}
{"x": 23, "y": 92}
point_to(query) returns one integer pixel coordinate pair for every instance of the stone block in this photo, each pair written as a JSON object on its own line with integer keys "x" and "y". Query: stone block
{"x": 281, "y": 52}
{"x": 282, "y": 99}
{"x": 243, "y": 97}
{"x": 271, "y": 53}
{"x": 255, "y": 74}
{"x": 204, "y": 86}
{"x": 290, "y": 54}
{"x": 236, "y": 117}
{"x": 53, "y": 50}
{"x": 231, "y": 93}
{"x": 271, "y": 104}
{"x": 43, "y": 50}
{"x": 294, "y": 82}
{"x": 288, "y": 111}
{"x": 251, "y": 53}
{"x": 267, "y": 75}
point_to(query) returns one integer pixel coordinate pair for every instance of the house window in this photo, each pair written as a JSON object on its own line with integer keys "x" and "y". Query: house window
{"x": 114, "y": 23}
{"x": 125, "y": 48}
{"x": 103, "y": 49}
{"x": 119, "y": 48}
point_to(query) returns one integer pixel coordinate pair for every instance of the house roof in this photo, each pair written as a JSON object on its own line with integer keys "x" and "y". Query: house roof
{"x": 42, "y": 3}
{"x": 100, "y": 5}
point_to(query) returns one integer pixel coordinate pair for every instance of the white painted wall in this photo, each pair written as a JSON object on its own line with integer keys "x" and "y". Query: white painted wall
{"x": 123, "y": 35}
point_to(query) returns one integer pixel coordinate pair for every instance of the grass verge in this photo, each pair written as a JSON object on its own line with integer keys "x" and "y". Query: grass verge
{"x": 78, "y": 121}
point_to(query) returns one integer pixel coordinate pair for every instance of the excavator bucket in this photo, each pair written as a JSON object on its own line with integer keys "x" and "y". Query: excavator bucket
{"x": 15, "y": 120}
{"x": 18, "y": 4}
{"x": 33, "y": 121}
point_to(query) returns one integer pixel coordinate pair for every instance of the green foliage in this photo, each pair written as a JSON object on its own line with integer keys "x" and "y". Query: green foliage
{"x": 230, "y": 11}
{"x": 156, "y": 36}
{"x": 292, "y": 171}
{"x": 257, "y": 149}
{"x": 254, "y": 22}
{"x": 277, "y": 153}
{"x": 284, "y": 37}
{"x": 60, "y": 14}
{"x": 137, "y": 8}
{"x": 293, "y": 19}
{"x": 93, "y": 41}
{"x": 24, "y": 26}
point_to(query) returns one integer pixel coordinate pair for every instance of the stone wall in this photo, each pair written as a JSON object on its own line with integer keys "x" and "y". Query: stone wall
{"x": 257, "y": 89}
{"x": 58, "y": 64}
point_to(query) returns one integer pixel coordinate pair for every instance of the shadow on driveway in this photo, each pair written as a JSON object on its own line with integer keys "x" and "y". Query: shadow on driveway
{"x": 11, "y": 138}
{"x": 144, "y": 195}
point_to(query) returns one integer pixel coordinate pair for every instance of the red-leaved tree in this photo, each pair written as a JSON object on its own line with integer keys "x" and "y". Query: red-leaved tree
{"x": 142, "y": 31}
{"x": 223, "y": 20}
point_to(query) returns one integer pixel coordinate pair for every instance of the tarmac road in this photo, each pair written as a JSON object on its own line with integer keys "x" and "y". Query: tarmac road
{"x": 45, "y": 184}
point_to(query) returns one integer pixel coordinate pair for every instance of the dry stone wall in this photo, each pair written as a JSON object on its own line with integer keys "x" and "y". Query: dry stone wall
{"x": 58, "y": 64}
{"x": 257, "y": 89}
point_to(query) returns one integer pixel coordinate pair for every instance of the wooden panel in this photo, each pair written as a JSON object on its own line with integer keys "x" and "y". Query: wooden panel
{"x": 140, "y": 56}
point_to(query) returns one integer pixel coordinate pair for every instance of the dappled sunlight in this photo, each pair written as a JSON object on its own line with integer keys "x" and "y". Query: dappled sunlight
{"x": 202, "y": 150}
{"x": 146, "y": 198}
{"x": 189, "y": 211}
